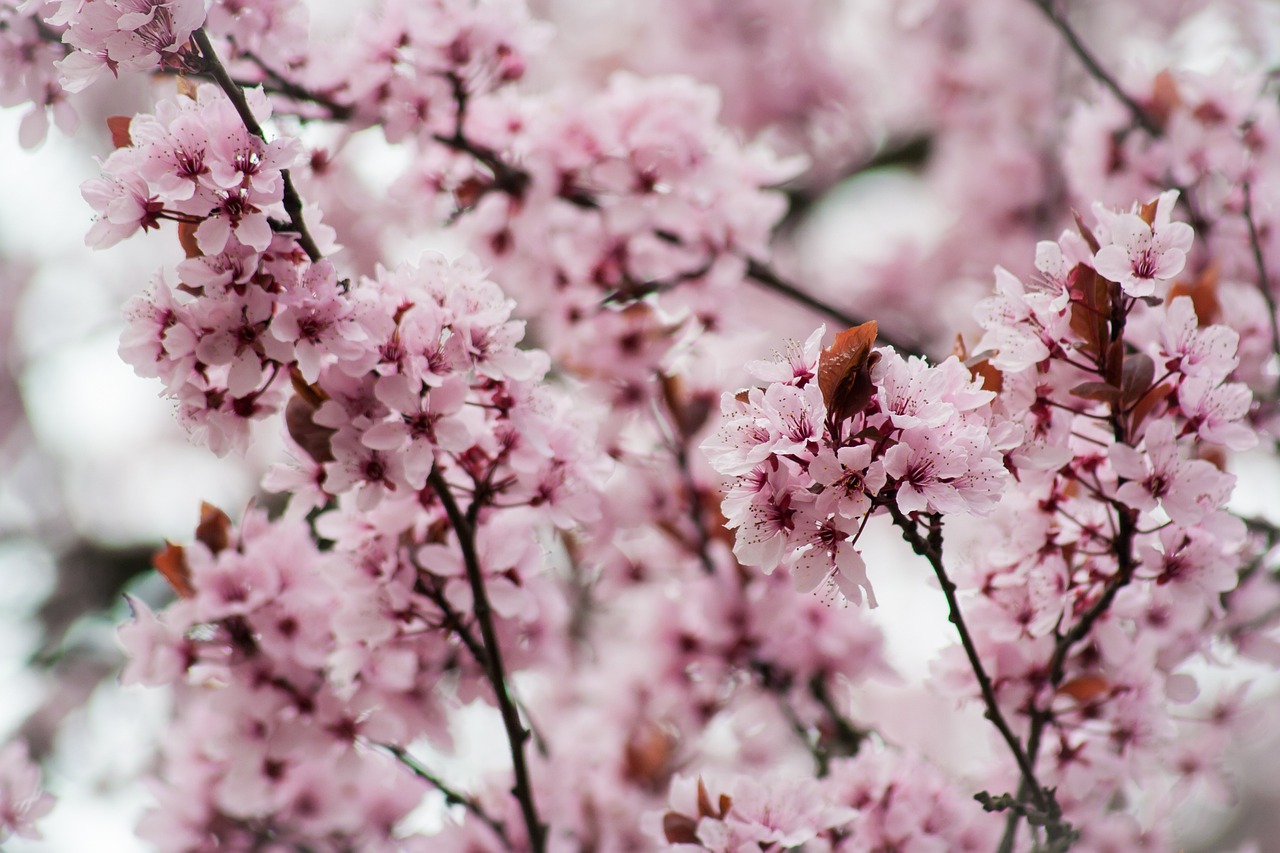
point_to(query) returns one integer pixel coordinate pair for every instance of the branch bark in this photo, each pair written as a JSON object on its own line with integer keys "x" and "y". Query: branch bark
{"x": 517, "y": 734}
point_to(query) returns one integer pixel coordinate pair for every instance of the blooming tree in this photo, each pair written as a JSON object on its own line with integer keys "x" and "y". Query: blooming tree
{"x": 508, "y": 492}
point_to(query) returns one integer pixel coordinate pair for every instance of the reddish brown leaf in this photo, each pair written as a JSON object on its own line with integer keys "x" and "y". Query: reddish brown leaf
{"x": 1203, "y": 291}
{"x": 679, "y": 829}
{"x": 171, "y": 563}
{"x": 1113, "y": 363}
{"x": 1102, "y": 392}
{"x": 214, "y": 529}
{"x": 704, "y": 801}
{"x": 187, "y": 239}
{"x": 1090, "y": 307}
{"x": 844, "y": 371}
{"x": 980, "y": 367}
{"x": 1147, "y": 213}
{"x": 1146, "y": 404}
{"x": 648, "y": 755}
{"x": 1085, "y": 688}
{"x": 690, "y": 412}
{"x": 1136, "y": 377}
{"x": 1165, "y": 98}
{"x": 1086, "y": 233}
{"x": 119, "y": 127}
{"x": 313, "y": 438}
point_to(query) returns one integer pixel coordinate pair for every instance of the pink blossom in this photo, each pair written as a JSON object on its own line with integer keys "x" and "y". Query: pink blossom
{"x": 1138, "y": 256}
{"x": 22, "y": 802}
{"x": 1187, "y": 489}
{"x": 124, "y": 35}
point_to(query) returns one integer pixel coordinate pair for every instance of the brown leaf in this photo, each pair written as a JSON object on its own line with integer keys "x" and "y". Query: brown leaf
{"x": 1102, "y": 392}
{"x": 1146, "y": 404}
{"x": 648, "y": 756}
{"x": 1113, "y": 362}
{"x": 1147, "y": 213}
{"x": 980, "y": 367}
{"x": 214, "y": 529}
{"x": 689, "y": 411}
{"x": 1203, "y": 291}
{"x": 171, "y": 563}
{"x": 187, "y": 239}
{"x": 1165, "y": 98}
{"x": 312, "y": 437}
{"x": 844, "y": 371}
{"x": 704, "y": 801}
{"x": 1085, "y": 688}
{"x": 119, "y": 127}
{"x": 186, "y": 87}
{"x": 679, "y": 829}
{"x": 1086, "y": 233}
{"x": 1136, "y": 377}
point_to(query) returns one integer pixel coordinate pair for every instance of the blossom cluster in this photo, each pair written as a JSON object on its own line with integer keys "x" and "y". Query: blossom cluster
{"x": 123, "y": 36}
{"x": 1116, "y": 532}
{"x": 814, "y": 459}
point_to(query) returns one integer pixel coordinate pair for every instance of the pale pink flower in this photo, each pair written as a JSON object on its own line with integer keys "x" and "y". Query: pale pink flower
{"x": 1138, "y": 256}
{"x": 22, "y": 802}
{"x": 850, "y": 480}
{"x": 1192, "y": 350}
{"x": 1217, "y": 412}
{"x": 1187, "y": 489}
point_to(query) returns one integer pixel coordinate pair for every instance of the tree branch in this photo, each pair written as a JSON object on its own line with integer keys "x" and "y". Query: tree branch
{"x": 292, "y": 201}
{"x": 517, "y": 734}
{"x": 452, "y": 796}
{"x": 930, "y": 548}
{"x": 1264, "y": 281}
{"x": 1140, "y": 116}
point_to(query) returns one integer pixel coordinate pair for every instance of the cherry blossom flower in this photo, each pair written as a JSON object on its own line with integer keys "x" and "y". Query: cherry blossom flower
{"x": 22, "y": 802}
{"x": 1138, "y": 255}
{"x": 1187, "y": 489}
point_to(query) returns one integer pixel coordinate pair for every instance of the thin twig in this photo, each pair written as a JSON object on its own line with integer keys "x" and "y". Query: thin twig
{"x": 1264, "y": 281}
{"x": 676, "y": 441}
{"x": 451, "y": 795}
{"x": 1140, "y": 116}
{"x": 931, "y": 549}
{"x": 517, "y": 734}
{"x": 768, "y": 277}
{"x": 292, "y": 201}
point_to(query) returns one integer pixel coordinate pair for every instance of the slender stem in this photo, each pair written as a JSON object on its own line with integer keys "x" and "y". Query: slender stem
{"x": 514, "y": 181}
{"x": 452, "y": 619}
{"x": 517, "y": 734}
{"x": 931, "y": 549}
{"x": 292, "y": 201}
{"x": 677, "y": 444}
{"x": 1264, "y": 281}
{"x": 768, "y": 277}
{"x": 1140, "y": 116}
{"x": 451, "y": 795}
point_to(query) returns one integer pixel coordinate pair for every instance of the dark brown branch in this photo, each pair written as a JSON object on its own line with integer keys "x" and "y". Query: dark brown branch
{"x": 1141, "y": 117}
{"x": 517, "y": 734}
{"x": 930, "y": 548}
{"x": 277, "y": 83}
{"x": 1264, "y": 281}
{"x": 514, "y": 181}
{"x": 452, "y": 796}
{"x": 292, "y": 201}
{"x": 766, "y": 276}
